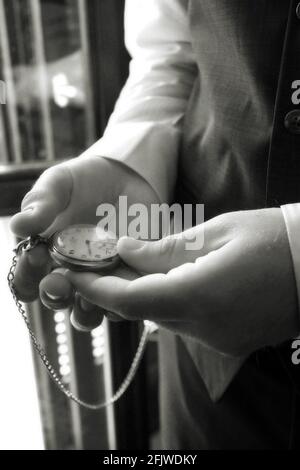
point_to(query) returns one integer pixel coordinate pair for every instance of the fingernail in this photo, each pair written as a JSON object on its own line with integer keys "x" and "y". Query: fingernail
{"x": 27, "y": 209}
{"x": 86, "y": 316}
{"x": 131, "y": 244}
{"x": 53, "y": 302}
{"x": 56, "y": 289}
{"x": 53, "y": 297}
{"x": 62, "y": 271}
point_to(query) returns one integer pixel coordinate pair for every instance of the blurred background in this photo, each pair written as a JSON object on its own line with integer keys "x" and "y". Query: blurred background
{"x": 63, "y": 63}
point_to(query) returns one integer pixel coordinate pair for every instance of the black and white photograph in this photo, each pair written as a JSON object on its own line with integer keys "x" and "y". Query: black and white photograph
{"x": 149, "y": 228}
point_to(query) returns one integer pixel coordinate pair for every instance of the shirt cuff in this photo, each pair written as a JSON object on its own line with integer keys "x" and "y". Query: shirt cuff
{"x": 291, "y": 214}
{"x": 151, "y": 151}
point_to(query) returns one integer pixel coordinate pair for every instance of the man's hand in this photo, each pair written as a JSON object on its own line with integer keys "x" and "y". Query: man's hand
{"x": 235, "y": 295}
{"x": 67, "y": 194}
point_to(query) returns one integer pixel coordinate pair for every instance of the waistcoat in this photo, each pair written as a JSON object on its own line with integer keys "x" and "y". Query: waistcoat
{"x": 236, "y": 154}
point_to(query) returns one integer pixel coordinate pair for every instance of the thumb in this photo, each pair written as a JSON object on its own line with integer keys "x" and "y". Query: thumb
{"x": 157, "y": 256}
{"x": 49, "y": 196}
{"x": 170, "y": 252}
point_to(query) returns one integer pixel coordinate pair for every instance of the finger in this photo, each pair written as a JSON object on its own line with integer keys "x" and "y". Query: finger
{"x": 31, "y": 268}
{"x": 165, "y": 254}
{"x": 85, "y": 316}
{"x": 189, "y": 289}
{"x": 92, "y": 287}
{"x": 56, "y": 292}
{"x": 132, "y": 300}
{"x": 113, "y": 317}
{"x": 121, "y": 271}
{"x": 49, "y": 196}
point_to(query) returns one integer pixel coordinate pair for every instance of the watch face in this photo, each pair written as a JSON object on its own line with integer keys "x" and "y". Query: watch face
{"x": 84, "y": 245}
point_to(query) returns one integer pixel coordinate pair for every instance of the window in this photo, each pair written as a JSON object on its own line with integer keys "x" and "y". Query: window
{"x": 44, "y": 65}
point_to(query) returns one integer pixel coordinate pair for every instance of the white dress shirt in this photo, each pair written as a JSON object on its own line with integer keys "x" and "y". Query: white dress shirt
{"x": 145, "y": 128}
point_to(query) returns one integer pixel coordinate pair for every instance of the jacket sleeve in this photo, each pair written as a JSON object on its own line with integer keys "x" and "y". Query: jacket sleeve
{"x": 145, "y": 128}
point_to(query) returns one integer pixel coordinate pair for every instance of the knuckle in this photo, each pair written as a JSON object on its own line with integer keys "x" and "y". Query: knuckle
{"x": 167, "y": 247}
{"x": 30, "y": 197}
{"x": 222, "y": 220}
{"x": 226, "y": 223}
{"x": 53, "y": 183}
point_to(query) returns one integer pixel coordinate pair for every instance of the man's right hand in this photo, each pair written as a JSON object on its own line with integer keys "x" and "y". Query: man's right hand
{"x": 66, "y": 194}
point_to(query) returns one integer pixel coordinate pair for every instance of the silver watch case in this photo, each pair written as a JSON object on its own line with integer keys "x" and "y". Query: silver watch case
{"x": 80, "y": 265}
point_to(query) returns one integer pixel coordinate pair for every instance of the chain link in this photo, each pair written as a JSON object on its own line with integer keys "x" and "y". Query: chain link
{"x": 148, "y": 328}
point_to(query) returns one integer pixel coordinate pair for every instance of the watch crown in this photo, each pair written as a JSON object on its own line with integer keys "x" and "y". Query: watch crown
{"x": 28, "y": 244}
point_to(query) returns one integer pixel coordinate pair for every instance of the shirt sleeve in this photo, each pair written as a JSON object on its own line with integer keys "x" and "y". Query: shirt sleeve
{"x": 291, "y": 214}
{"x": 145, "y": 128}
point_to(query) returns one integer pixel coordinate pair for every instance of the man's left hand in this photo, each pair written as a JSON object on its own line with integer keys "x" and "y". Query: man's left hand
{"x": 236, "y": 294}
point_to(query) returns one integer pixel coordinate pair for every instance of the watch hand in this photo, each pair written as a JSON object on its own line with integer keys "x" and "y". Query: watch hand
{"x": 88, "y": 243}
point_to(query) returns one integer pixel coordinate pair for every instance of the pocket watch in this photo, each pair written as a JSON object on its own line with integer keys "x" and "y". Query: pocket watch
{"x": 84, "y": 248}
{"x": 80, "y": 248}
